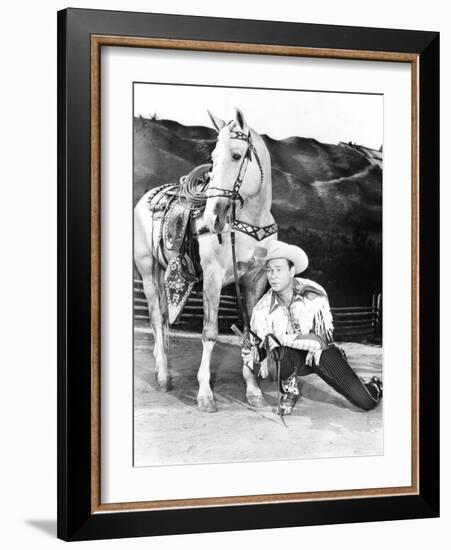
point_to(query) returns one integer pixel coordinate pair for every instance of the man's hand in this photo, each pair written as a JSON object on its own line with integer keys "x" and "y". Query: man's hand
{"x": 272, "y": 342}
{"x": 249, "y": 354}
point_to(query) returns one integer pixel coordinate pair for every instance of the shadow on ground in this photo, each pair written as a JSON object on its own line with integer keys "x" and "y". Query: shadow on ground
{"x": 170, "y": 430}
{"x": 47, "y": 526}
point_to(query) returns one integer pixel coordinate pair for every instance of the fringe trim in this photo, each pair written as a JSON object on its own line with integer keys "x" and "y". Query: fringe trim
{"x": 322, "y": 322}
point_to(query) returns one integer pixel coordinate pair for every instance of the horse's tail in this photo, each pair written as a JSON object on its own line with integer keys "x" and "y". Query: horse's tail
{"x": 158, "y": 277}
{"x": 147, "y": 260}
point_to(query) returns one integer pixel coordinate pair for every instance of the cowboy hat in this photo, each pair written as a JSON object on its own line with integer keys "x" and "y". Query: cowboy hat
{"x": 279, "y": 249}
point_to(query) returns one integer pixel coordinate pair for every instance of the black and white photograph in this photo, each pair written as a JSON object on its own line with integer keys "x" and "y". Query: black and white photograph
{"x": 257, "y": 274}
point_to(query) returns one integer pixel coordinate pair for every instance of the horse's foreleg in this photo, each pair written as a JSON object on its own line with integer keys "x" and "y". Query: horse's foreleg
{"x": 254, "y": 284}
{"x": 212, "y": 293}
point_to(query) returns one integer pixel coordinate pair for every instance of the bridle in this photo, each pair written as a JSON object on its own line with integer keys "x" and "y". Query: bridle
{"x": 234, "y": 194}
{"x": 256, "y": 232}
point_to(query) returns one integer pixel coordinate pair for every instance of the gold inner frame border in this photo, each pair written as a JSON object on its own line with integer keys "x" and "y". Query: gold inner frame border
{"x": 97, "y": 41}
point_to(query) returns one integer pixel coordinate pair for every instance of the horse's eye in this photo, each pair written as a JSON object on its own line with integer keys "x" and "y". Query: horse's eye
{"x": 236, "y": 156}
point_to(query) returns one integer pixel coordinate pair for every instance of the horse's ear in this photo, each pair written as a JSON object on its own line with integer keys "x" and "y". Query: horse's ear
{"x": 239, "y": 117}
{"x": 218, "y": 123}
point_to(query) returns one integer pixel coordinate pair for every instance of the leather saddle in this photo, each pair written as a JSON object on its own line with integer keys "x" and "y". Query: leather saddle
{"x": 175, "y": 223}
{"x": 175, "y": 205}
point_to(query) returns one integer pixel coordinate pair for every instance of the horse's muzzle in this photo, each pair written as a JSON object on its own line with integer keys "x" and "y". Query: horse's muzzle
{"x": 216, "y": 217}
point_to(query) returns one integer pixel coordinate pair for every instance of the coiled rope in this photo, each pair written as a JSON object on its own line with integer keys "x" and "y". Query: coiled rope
{"x": 194, "y": 184}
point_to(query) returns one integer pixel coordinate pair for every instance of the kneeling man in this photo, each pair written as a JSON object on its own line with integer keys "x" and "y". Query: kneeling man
{"x": 294, "y": 320}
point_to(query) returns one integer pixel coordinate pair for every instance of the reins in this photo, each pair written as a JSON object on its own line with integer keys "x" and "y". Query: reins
{"x": 199, "y": 194}
{"x": 243, "y": 311}
{"x": 234, "y": 195}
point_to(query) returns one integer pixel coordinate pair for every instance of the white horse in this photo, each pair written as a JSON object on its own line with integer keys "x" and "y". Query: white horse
{"x": 238, "y": 200}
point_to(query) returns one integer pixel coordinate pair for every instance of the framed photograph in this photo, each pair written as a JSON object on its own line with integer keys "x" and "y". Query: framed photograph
{"x": 248, "y": 274}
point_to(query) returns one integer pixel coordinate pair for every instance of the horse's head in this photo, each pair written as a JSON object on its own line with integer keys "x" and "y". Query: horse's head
{"x": 237, "y": 171}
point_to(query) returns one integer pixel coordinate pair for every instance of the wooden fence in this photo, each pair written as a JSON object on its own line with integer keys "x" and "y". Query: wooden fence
{"x": 351, "y": 323}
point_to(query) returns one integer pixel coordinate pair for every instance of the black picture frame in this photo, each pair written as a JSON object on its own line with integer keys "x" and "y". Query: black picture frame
{"x": 76, "y": 518}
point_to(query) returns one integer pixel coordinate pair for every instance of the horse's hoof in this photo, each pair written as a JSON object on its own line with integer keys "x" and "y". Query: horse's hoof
{"x": 205, "y": 404}
{"x": 164, "y": 384}
{"x": 256, "y": 400}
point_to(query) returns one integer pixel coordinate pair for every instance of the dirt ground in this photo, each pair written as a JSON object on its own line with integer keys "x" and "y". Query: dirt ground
{"x": 168, "y": 428}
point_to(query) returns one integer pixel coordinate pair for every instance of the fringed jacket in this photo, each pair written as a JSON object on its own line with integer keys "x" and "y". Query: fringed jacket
{"x": 306, "y": 323}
